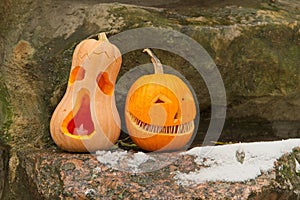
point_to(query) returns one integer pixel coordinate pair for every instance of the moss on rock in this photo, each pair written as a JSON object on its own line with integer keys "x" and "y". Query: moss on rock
{"x": 287, "y": 168}
{"x": 5, "y": 114}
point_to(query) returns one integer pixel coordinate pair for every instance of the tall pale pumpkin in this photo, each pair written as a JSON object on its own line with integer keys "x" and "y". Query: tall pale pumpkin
{"x": 86, "y": 119}
{"x": 160, "y": 111}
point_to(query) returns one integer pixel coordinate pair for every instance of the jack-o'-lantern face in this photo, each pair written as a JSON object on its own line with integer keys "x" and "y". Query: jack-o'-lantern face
{"x": 160, "y": 112}
{"x": 86, "y": 119}
{"x": 162, "y": 103}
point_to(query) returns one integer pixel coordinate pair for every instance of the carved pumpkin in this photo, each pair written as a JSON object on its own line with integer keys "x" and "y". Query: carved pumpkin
{"x": 160, "y": 111}
{"x": 86, "y": 119}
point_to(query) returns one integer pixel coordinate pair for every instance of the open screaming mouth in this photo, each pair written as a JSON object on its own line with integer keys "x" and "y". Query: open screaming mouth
{"x": 79, "y": 122}
{"x": 178, "y": 129}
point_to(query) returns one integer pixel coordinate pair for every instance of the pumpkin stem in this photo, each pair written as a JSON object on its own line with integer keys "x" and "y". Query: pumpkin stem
{"x": 102, "y": 37}
{"x": 158, "y": 68}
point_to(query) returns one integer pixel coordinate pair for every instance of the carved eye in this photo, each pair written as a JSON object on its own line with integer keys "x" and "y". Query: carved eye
{"x": 104, "y": 84}
{"x": 76, "y": 74}
{"x": 161, "y": 99}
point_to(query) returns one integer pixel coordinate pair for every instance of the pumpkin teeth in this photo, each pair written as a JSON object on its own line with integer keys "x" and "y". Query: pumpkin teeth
{"x": 178, "y": 129}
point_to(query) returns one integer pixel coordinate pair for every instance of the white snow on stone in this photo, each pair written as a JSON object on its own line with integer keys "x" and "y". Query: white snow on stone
{"x": 235, "y": 162}
{"x": 230, "y": 163}
{"x": 138, "y": 159}
{"x": 91, "y": 192}
{"x": 123, "y": 160}
{"x": 110, "y": 158}
{"x": 297, "y": 166}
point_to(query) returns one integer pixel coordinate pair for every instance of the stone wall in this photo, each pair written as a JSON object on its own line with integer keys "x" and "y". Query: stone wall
{"x": 255, "y": 45}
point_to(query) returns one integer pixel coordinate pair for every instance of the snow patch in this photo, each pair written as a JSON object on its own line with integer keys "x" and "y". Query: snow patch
{"x": 236, "y": 162}
{"x": 297, "y": 166}
{"x": 124, "y": 160}
{"x": 110, "y": 158}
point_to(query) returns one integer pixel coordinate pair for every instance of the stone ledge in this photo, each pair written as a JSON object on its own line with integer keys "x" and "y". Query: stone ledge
{"x": 51, "y": 174}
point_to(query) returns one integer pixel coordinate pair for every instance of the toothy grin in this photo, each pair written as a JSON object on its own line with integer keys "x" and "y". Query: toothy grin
{"x": 178, "y": 129}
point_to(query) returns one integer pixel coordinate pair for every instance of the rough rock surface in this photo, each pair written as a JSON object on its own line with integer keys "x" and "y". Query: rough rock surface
{"x": 255, "y": 44}
{"x": 50, "y": 174}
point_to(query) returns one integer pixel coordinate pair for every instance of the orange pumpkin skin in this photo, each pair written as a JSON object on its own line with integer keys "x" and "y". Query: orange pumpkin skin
{"x": 160, "y": 112}
{"x": 86, "y": 119}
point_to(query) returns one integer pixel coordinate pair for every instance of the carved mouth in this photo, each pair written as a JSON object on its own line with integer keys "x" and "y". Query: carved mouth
{"x": 79, "y": 122}
{"x": 178, "y": 129}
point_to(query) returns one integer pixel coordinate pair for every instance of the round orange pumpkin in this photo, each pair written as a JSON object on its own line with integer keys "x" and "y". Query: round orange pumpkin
{"x": 86, "y": 119}
{"x": 160, "y": 111}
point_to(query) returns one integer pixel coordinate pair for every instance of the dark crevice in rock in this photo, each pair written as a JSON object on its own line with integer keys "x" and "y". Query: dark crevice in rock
{"x": 4, "y": 159}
